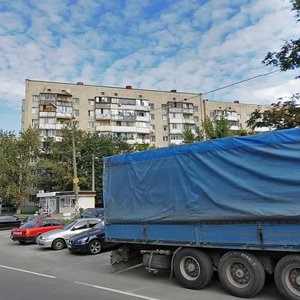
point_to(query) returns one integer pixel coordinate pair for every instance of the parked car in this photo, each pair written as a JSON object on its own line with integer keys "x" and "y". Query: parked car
{"x": 8, "y": 222}
{"x": 57, "y": 239}
{"x": 91, "y": 241}
{"x": 93, "y": 213}
{"x": 33, "y": 217}
{"x": 31, "y": 230}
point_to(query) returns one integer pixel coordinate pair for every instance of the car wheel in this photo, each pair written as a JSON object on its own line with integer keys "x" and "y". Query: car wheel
{"x": 94, "y": 247}
{"x": 58, "y": 244}
{"x": 22, "y": 242}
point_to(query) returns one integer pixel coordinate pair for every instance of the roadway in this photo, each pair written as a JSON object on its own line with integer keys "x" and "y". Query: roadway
{"x": 31, "y": 272}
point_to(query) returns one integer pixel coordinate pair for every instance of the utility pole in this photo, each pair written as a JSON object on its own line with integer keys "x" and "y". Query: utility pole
{"x": 75, "y": 178}
{"x": 93, "y": 172}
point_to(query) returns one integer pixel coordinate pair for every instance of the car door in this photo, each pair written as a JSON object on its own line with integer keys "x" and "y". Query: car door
{"x": 79, "y": 227}
{"x": 44, "y": 226}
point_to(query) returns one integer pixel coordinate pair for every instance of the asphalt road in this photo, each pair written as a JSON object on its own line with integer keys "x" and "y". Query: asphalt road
{"x": 31, "y": 272}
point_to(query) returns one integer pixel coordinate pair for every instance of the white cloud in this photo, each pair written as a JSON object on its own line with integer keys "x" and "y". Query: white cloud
{"x": 188, "y": 45}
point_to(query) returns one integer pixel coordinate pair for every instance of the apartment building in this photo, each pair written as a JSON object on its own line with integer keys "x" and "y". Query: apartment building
{"x": 155, "y": 118}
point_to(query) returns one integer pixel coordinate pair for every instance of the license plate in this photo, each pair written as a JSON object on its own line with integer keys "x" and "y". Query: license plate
{"x": 17, "y": 232}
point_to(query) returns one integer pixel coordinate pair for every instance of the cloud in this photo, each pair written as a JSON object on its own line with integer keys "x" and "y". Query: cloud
{"x": 188, "y": 45}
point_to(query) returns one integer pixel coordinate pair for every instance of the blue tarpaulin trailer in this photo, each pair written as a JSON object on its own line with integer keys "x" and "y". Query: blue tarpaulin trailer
{"x": 231, "y": 203}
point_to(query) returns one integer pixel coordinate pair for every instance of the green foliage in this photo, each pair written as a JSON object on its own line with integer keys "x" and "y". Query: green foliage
{"x": 216, "y": 128}
{"x": 17, "y": 164}
{"x": 288, "y": 58}
{"x": 282, "y": 115}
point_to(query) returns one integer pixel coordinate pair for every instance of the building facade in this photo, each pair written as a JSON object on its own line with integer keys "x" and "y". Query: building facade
{"x": 155, "y": 118}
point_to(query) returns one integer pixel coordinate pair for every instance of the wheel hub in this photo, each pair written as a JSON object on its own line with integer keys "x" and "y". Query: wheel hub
{"x": 295, "y": 279}
{"x": 239, "y": 274}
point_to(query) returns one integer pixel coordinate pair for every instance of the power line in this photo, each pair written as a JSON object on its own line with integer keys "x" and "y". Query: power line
{"x": 223, "y": 87}
{"x": 239, "y": 82}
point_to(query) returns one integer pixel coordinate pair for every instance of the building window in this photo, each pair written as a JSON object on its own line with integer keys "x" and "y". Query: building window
{"x": 34, "y": 110}
{"x": 165, "y": 138}
{"x": 164, "y": 106}
{"x": 91, "y": 113}
{"x": 76, "y": 101}
{"x": 35, "y": 98}
{"x": 151, "y": 105}
{"x": 91, "y": 125}
{"x": 152, "y": 127}
{"x": 102, "y": 93}
{"x": 152, "y": 117}
{"x": 164, "y": 117}
{"x": 76, "y": 112}
{"x": 195, "y": 108}
{"x": 196, "y": 119}
{"x": 91, "y": 102}
{"x": 153, "y": 138}
{"x": 35, "y": 122}
{"x": 116, "y": 94}
{"x": 165, "y": 127}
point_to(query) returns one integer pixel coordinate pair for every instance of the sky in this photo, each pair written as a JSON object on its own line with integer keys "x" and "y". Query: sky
{"x": 188, "y": 45}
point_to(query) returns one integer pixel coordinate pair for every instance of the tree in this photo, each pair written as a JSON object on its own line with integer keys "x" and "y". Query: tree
{"x": 289, "y": 56}
{"x": 216, "y": 128}
{"x": 17, "y": 164}
{"x": 212, "y": 129}
{"x": 282, "y": 115}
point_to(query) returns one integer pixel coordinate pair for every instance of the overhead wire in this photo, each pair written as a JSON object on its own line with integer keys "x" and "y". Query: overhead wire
{"x": 223, "y": 87}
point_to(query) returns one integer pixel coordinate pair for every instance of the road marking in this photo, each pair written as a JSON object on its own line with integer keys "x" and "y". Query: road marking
{"x": 25, "y": 271}
{"x": 115, "y": 291}
{"x": 127, "y": 269}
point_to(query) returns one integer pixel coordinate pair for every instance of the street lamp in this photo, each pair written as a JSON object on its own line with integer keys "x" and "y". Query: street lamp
{"x": 93, "y": 171}
{"x": 75, "y": 178}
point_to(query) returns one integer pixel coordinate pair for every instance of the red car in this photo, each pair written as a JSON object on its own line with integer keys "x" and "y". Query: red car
{"x": 30, "y": 231}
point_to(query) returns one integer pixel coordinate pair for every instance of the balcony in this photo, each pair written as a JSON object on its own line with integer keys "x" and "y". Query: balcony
{"x": 46, "y": 114}
{"x": 143, "y": 108}
{"x": 189, "y": 111}
{"x": 262, "y": 129}
{"x": 234, "y": 127}
{"x": 176, "y": 142}
{"x": 102, "y": 105}
{"x": 123, "y": 118}
{"x": 123, "y": 129}
{"x": 232, "y": 117}
{"x": 175, "y": 109}
{"x": 176, "y": 120}
{"x": 143, "y": 130}
{"x": 104, "y": 128}
{"x": 103, "y": 116}
{"x": 48, "y": 126}
{"x": 61, "y": 115}
{"x": 143, "y": 141}
{"x": 188, "y": 121}
{"x": 142, "y": 118}
{"x": 175, "y": 131}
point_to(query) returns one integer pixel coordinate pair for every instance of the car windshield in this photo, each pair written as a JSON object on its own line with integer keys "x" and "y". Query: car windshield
{"x": 29, "y": 224}
{"x": 100, "y": 225}
{"x": 69, "y": 226}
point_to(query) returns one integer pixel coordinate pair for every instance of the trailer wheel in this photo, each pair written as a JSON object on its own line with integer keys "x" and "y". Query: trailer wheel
{"x": 287, "y": 276}
{"x": 241, "y": 274}
{"x": 193, "y": 268}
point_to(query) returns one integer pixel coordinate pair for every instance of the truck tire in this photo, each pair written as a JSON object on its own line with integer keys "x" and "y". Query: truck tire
{"x": 241, "y": 274}
{"x": 157, "y": 261}
{"x": 287, "y": 276}
{"x": 193, "y": 268}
